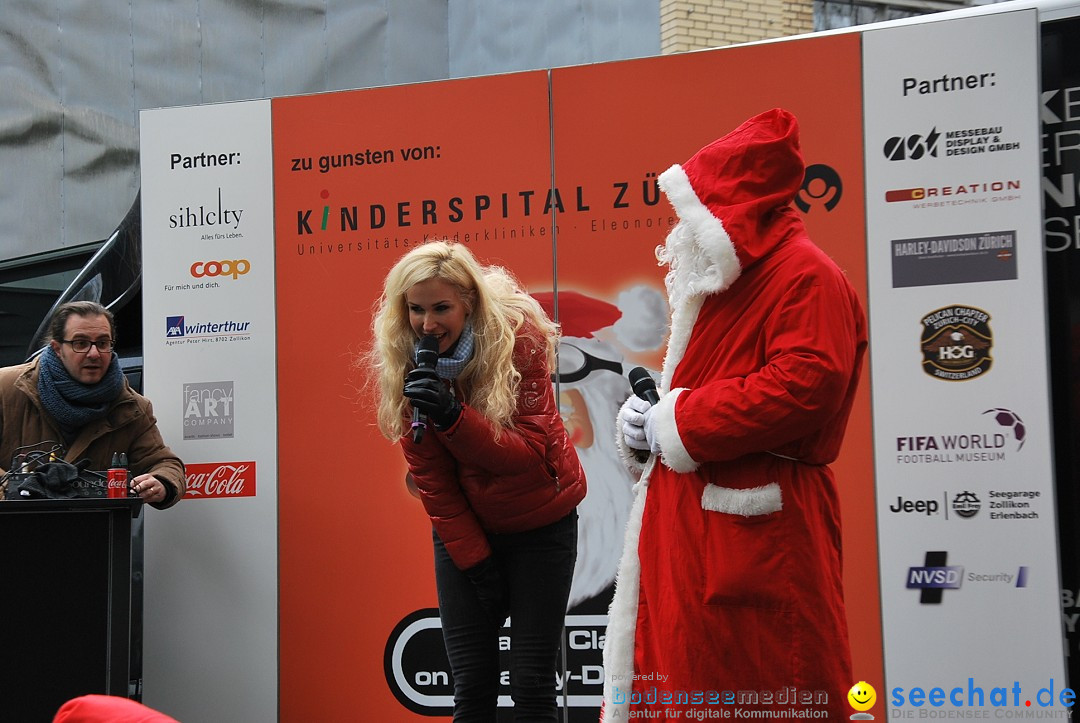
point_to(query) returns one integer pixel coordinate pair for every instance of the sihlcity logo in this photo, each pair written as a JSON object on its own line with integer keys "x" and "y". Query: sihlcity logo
{"x": 205, "y": 215}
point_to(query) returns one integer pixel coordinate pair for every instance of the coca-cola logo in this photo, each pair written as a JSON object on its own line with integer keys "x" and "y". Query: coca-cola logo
{"x": 220, "y": 479}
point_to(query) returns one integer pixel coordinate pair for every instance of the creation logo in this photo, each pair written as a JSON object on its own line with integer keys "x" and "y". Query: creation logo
{"x": 220, "y": 479}
{"x": 957, "y": 194}
{"x": 209, "y": 412}
{"x": 956, "y": 343}
{"x": 934, "y": 577}
{"x": 821, "y": 186}
{"x": 232, "y": 268}
{"x": 966, "y": 505}
{"x": 913, "y": 147}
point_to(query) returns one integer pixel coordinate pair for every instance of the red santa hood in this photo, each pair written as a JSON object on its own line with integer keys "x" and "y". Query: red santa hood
{"x": 733, "y": 197}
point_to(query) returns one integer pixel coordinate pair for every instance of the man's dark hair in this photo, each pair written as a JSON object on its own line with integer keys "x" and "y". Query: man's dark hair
{"x": 78, "y": 308}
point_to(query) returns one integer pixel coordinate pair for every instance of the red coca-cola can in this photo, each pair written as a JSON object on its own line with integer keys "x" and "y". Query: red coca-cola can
{"x": 117, "y": 483}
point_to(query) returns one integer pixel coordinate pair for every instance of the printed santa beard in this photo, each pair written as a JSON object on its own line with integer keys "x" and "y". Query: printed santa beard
{"x": 604, "y": 511}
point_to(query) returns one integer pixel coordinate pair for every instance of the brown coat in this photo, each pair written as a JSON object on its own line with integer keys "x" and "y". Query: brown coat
{"x": 129, "y": 426}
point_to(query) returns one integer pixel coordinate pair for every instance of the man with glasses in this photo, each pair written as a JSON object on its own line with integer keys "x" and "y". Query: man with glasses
{"x": 74, "y": 397}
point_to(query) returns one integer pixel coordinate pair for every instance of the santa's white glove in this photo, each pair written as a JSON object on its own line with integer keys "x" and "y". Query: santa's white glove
{"x": 638, "y": 425}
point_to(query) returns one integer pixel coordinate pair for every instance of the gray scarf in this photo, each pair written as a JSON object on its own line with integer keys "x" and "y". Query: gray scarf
{"x": 70, "y": 402}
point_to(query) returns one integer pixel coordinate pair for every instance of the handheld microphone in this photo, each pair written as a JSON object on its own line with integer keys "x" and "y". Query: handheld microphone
{"x": 426, "y": 356}
{"x": 643, "y": 385}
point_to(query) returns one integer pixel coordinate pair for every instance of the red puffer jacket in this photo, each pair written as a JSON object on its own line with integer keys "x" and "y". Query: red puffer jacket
{"x": 471, "y": 485}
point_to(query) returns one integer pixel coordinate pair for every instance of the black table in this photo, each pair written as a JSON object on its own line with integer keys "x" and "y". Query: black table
{"x": 72, "y": 593}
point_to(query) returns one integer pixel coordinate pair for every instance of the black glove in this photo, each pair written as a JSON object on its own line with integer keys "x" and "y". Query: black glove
{"x": 432, "y": 397}
{"x": 491, "y": 589}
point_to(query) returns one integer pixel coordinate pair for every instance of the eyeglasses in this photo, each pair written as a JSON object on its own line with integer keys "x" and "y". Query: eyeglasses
{"x": 575, "y": 364}
{"x": 81, "y": 346}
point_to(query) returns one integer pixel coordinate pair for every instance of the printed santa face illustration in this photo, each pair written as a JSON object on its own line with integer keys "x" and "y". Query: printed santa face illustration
{"x": 592, "y": 385}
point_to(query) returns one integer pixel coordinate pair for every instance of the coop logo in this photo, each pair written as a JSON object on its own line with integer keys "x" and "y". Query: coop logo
{"x": 956, "y": 343}
{"x": 966, "y": 505}
{"x": 934, "y": 577}
{"x": 913, "y": 147}
{"x": 209, "y": 412}
{"x": 231, "y": 268}
{"x": 220, "y": 479}
{"x": 997, "y": 433}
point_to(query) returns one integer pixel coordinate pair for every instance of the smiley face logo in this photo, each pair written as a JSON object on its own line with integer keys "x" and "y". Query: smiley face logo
{"x": 862, "y": 696}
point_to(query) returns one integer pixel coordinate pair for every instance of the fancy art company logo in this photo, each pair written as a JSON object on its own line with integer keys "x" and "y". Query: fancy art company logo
{"x": 209, "y": 412}
{"x": 956, "y": 343}
{"x": 220, "y": 479}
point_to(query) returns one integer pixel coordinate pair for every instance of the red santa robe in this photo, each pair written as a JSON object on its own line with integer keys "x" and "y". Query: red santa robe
{"x": 729, "y": 589}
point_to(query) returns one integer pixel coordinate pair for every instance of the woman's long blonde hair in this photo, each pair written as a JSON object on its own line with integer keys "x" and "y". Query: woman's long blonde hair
{"x": 496, "y": 305}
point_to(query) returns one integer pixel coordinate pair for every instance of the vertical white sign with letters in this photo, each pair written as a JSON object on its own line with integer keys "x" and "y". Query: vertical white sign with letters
{"x": 209, "y": 342}
{"x": 969, "y": 570}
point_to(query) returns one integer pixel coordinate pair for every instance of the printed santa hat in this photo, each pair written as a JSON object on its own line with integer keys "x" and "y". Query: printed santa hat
{"x": 639, "y": 321}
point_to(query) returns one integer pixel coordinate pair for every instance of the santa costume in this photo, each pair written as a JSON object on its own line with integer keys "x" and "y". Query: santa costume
{"x": 729, "y": 588}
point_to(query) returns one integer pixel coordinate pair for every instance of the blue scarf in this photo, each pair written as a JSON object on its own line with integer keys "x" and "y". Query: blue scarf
{"x": 450, "y": 366}
{"x": 70, "y": 402}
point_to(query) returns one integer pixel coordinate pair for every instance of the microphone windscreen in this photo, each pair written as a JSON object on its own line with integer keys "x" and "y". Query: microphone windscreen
{"x": 643, "y": 385}
{"x": 428, "y": 352}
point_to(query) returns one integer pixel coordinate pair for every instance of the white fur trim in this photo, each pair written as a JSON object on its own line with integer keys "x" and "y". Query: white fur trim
{"x": 672, "y": 450}
{"x": 747, "y": 502}
{"x": 711, "y": 238}
{"x": 682, "y": 324}
{"x": 622, "y": 615}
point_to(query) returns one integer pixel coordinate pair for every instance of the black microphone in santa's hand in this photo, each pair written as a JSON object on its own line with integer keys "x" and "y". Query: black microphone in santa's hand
{"x": 644, "y": 385}
{"x": 426, "y": 356}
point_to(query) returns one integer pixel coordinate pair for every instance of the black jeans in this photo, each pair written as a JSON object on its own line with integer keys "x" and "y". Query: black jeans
{"x": 537, "y": 566}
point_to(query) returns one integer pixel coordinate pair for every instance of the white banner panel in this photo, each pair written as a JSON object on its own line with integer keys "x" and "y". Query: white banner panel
{"x": 969, "y": 579}
{"x": 209, "y": 345}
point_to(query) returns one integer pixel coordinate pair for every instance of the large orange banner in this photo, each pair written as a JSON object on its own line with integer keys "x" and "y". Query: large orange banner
{"x": 554, "y": 176}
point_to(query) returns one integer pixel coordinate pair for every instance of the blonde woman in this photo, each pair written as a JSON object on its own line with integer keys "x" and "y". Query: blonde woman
{"x": 497, "y": 475}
